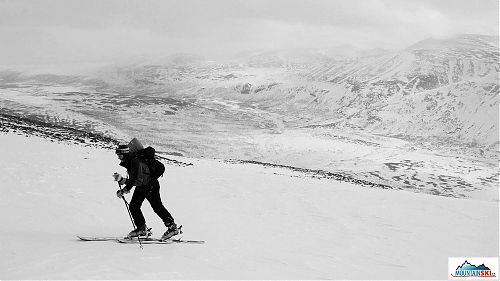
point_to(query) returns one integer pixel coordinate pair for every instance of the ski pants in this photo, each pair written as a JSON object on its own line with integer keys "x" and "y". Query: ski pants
{"x": 154, "y": 199}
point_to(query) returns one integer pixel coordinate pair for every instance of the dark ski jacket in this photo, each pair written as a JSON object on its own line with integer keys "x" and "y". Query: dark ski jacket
{"x": 138, "y": 172}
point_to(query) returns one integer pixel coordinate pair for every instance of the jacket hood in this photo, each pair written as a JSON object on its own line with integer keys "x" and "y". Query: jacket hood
{"x": 134, "y": 146}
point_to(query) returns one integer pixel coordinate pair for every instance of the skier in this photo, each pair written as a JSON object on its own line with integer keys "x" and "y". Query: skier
{"x": 146, "y": 187}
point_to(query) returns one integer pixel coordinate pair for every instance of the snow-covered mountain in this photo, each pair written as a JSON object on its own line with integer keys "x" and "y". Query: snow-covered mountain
{"x": 424, "y": 118}
{"x": 290, "y": 164}
{"x": 435, "y": 90}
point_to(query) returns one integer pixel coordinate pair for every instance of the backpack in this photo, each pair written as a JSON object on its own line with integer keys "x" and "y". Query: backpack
{"x": 156, "y": 168}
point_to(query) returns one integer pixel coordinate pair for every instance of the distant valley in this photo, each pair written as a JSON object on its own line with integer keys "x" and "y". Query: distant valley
{"x": 418, "y": 118}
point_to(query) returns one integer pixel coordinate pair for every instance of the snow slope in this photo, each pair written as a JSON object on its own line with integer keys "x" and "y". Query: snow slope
{"x": 259, "y": 223}
{"x": 423, "y": 119}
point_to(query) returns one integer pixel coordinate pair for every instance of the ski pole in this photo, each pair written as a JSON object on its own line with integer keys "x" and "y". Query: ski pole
{"x": 127, "y": 206}
{"x": 129, "y": 213}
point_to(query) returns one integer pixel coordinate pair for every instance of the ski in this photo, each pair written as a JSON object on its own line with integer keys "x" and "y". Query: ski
{"x": 104, "y": 238}
{"x": 144, "y": 240}
{"x": 107, "y": 238}
{"x": 159, "y": 241}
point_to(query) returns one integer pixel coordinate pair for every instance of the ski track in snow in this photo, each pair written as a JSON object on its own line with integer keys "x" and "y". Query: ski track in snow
{"x": 257, "y": 224}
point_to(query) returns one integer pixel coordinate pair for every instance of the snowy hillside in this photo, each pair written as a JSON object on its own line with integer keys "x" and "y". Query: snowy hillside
{"x": 438, "y": 91}
{"x": 423, "y": 119}
{"x": 291, "y": 164}
{"x": 259, "y": 223}
{"x": 435, "y": 90}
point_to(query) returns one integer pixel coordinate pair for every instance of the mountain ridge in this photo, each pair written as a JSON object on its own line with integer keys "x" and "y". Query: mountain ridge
{"x": 436, "y": 89}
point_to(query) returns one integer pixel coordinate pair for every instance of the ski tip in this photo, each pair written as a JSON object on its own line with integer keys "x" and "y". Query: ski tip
{"x": 83, "y": 238}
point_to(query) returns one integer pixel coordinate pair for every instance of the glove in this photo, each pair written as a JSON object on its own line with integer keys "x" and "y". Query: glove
{"x": 121, "y": 192}
{"x": 121, "y": 180}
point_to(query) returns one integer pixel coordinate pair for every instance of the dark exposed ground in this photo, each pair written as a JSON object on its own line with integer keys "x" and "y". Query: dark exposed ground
{"x": 27, "y": 126}
{"x": 30, "y": 127}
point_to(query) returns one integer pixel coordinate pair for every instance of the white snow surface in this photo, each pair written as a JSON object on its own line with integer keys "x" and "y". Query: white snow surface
{"x": 258, "y": 222}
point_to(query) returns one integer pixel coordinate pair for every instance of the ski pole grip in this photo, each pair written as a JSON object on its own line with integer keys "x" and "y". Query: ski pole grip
{"x": 120, "y": 188}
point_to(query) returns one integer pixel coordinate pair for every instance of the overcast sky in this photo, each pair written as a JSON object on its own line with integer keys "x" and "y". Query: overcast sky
{"x": 62, "y": 31}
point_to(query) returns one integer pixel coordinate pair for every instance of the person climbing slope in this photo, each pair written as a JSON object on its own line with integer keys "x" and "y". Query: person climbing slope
{"x": 146, "y": 186}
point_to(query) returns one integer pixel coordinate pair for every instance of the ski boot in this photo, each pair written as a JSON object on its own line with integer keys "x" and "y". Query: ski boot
{"x": 142, "y": 232}
{"x": 172, "y": 230}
